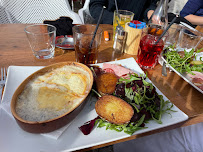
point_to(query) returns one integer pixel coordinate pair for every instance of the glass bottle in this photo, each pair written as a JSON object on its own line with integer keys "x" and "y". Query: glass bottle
{"x": 160, "y": 16}
{"x": 119, "y": 40}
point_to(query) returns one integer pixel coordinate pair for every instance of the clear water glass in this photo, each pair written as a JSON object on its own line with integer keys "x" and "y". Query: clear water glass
{"x": 188, "y": 39}
{"x": 41, "y": 38}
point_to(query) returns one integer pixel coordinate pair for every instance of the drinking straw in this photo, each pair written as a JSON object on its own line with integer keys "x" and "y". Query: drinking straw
{"x": 98, "y": 22}
{"x": 116, "y": 6}
{"x": 117, "y": 12}
{"x": 164, "y": 32}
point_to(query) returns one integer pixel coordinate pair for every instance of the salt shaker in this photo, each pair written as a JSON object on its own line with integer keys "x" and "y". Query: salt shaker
{"x": 119, "y": 40}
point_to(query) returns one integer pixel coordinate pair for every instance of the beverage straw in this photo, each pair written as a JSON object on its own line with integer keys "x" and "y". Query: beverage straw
{"x": 98, "y": 22}
{"x": 116, "y": 6}
{"x": 164, "y": 32}
{"x": 117, "y": 12}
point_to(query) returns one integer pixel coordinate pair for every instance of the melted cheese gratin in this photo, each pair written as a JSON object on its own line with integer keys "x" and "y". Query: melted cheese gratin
{"x": 53, "y": 94}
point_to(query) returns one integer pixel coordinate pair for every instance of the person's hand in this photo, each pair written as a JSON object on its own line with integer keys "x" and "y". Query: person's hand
{"x": 156, "y": 20}
{"x": 149, "y": 13}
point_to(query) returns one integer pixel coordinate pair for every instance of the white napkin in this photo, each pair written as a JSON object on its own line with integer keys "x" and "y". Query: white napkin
{"x": 15, "y": 75}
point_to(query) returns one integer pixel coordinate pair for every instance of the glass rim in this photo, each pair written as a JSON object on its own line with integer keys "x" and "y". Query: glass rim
{"x": 192, "y": 31}
{"x": 80, "y": 25}
{"x": 176, "y": 24}
{"x": 48, "y": 25}
{"x": 131, "y": 13}
{"x": 154, "y": 24}
{"x": 146, "y": 32}
{"x": 157, "y": 37}
{"x": 165, "y": 35}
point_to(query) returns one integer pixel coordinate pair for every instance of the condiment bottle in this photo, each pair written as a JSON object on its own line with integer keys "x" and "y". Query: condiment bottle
{"x": 106, "y": 35}
{"x": 134, "y": 31}
{"x": 119, "y": 40}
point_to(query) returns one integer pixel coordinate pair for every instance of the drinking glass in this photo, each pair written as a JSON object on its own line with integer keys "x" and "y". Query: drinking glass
{"x": 173, "y": 35}
{"x": 122, "y": 17}
{"x": 189, "y": 39}
{"x": 82, "y": 35}
{"x": 149, "y": 52}
{"x": 41, "y": 38}
{"x": 160, "y": 15}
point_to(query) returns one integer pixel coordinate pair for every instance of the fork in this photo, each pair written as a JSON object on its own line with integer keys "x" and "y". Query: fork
{"x": 2, "y": 81}
{"x": 164, "y": 72}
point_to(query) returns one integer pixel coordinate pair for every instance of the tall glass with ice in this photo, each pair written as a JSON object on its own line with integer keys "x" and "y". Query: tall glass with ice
{"x": 149, "y": 51}
{"x": 121, "y": 18}
{"x": 82, "y": 35}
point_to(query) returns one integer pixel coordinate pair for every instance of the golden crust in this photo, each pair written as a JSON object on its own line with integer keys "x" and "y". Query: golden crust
{"x": 106, "y": 83}
{"x": 114, "y": 109}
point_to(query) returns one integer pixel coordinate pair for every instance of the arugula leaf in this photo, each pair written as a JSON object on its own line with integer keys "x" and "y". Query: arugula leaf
{"x": 147, "y": 103}
{"x": 130, "y": 79}
{"x": 145, "y": 97}
{"x": 182, "y": 64}
{"x": 127, "y": 128}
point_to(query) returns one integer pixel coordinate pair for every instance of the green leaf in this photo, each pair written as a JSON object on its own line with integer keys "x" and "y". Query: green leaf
{"x": 130, "y": 79}
{"x": 182, "y": 64}
{"x": 133, "y": 104}
{"x": 139, "y": 98}
{"x": 157, "y": 120}
{"x": 140, "y": 121}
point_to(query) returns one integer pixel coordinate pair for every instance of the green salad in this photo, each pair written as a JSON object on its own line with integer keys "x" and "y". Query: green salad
{"x": 183, "y": 62}
{"x": 142, "y": 96}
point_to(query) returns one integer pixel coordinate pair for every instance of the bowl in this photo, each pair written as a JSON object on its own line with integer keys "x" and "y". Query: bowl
{"x": 52, "y": 124}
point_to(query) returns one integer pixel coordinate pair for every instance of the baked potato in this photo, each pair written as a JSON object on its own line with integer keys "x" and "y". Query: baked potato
{"x": 114, "y": 109}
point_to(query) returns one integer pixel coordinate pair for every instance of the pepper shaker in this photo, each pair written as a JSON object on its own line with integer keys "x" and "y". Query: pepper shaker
{"x": 119, "y": 40}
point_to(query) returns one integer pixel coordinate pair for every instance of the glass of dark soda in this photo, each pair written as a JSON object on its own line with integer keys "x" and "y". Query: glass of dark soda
{"x": 86, "y": 52}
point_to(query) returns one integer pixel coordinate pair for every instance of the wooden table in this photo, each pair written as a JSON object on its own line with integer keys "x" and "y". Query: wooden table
{"x": 15, "y": 50}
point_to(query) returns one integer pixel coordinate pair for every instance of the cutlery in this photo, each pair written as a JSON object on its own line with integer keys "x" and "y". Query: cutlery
{"x": 164, "y": 71}
{"x": 188, "y": 26}
{"x": 2, "y": 81}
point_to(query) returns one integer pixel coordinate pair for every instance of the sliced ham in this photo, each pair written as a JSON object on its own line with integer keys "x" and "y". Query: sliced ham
{"x": 197, "y": 79}
{"x": 117, "y": 69}
{"x": 197, "y": 75}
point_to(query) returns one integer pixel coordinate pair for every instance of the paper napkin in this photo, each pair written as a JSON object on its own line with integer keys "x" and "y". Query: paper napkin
{"x": 16, "y": 75}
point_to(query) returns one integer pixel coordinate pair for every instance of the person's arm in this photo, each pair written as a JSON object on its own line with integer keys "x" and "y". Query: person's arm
{"x": 194, "y": 19}
{"x": 189, "y": 10}
{"x": 95, "y": 8}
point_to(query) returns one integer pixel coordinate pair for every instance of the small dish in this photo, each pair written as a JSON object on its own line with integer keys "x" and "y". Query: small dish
{"x": 54, "y": 123}
{"x": 65, "y": 42}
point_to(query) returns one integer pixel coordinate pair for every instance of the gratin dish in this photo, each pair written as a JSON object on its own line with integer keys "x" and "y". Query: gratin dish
{"x": 60, "y": 121}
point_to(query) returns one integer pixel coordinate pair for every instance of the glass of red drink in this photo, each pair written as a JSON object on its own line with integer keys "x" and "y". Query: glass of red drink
{"x": 149, "y": 52}
{"x": 82, "y": 35}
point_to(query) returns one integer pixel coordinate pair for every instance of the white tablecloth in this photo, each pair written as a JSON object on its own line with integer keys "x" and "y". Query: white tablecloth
{"x": 185, "y": 139}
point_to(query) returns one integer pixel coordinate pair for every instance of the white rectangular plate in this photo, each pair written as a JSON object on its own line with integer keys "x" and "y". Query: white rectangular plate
{"x": 13, "y": 138}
